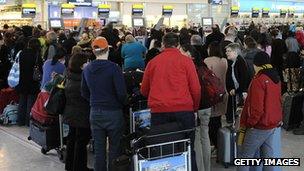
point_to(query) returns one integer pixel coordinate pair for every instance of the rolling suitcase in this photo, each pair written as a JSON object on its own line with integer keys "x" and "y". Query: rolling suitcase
{"x": 227, "y": 142}
{"x": 292, "y": 110}
{"x": 45, "y": 136}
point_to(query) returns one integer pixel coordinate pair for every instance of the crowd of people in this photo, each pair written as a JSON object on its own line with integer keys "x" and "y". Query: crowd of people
{"x": 249, "y": 67}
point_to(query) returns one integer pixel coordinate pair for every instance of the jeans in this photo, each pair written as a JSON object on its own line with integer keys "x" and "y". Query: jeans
{"x": 214, "y": 125}
{"x": 106, "y": 124}
{"x": 187, "y": 121}
{"x": 77, "y": 141}
{"x": 26, "y": 102}
{"x": 261, "y": 144}
{"x": 202, "y": 141}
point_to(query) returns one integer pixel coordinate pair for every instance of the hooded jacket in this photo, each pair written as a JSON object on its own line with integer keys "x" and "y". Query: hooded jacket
{"x": 263, "y": 108}
{"x": 103, "y": 85}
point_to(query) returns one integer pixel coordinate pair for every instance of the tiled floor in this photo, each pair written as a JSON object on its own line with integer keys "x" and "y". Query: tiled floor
{"x": 19, "y": 154}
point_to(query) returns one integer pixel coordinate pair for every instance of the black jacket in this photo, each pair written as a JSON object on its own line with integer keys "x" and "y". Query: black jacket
{"x": 151, "y": 54}
{"x": 27, "y": 60}
{"x": 5, "y": 66}
{"x": 241, "y": 74}
{"x": 77, "y": 109}
{"x": 68, "y": 44}
{"x": 202, "y": 49}
{"x": 214, "y": 37}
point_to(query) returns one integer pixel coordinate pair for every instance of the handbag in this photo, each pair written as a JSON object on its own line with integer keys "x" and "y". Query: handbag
{"x": 57, "y": 100}
{"x": 14, "y": 74}
{"x": 37, "y": 74}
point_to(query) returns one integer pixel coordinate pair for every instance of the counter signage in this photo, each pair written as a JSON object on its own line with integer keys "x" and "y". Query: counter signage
{"x": 234, "y": 11}
{"x": 283, "y": 13}
{"x": 104, "y": 10}
{"x": 67, "y": 9}
{"x": 28, "y": 10}
{"x": 265, "y": 12}
{"x": 167, "y": 10}
{"x": 255, "y": 12}
{"x": 137, "y": 10}
{"x": 80, "y": 2}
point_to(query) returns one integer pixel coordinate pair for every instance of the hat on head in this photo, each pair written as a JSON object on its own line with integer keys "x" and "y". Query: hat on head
{"x": 261, "y": 58}
{"x": 100, "y": 42}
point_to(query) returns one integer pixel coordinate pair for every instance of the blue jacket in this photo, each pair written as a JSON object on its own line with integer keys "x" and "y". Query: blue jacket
{"x": 133, "y": 55}
{"x": 103, "y": 85}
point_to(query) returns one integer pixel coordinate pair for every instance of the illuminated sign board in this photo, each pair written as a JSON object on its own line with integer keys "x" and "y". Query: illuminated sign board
{"x": 167, "y": 10}
{"x": 255, "y": 12}
{"x": 28, "y": 10}
{"x": 138, "y": 9}
{"x": 104, "y": 10}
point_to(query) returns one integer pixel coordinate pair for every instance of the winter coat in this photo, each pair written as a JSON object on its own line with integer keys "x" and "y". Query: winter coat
{"x": 77, "y": 109}
{"x": 263, "y": 108}
{"x": 27, "y": 60}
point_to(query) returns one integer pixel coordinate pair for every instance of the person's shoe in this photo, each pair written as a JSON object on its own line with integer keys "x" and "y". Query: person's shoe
{"x": 89, "y": 169}
{"x": 299, "y": 131}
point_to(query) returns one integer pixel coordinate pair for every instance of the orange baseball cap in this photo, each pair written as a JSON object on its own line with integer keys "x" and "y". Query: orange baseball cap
{"x": 100, "y": 42}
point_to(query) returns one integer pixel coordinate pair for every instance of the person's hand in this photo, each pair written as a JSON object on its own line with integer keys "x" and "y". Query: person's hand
{"x": 53, "y": 75}
{"x": 232, "y": 92}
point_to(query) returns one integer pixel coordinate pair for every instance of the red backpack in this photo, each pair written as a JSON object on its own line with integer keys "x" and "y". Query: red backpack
{"x": 212, "y": 89}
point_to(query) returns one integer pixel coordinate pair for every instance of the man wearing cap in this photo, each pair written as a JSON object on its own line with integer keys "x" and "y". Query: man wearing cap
{"x": 104, "y": 87}
{"x": 261, "y": 116}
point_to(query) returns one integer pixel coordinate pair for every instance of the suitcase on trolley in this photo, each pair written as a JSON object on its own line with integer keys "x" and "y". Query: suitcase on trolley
{"x": 49, "y": 137}
{"x": 227, "y": 149}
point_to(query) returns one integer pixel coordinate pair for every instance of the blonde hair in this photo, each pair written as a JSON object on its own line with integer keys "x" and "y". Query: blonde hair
{"x": 129, "y": 38}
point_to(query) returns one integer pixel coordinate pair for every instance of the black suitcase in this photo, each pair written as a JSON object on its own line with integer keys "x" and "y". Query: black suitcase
{"x": 292, "y": 110}
{"x": 48, "y": 137}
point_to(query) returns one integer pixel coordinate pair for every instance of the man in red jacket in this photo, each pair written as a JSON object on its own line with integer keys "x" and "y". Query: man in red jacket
{"x": 171, "y": 84}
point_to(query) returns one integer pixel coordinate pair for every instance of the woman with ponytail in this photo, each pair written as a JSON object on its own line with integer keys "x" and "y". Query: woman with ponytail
{"x": 54, "y": 65}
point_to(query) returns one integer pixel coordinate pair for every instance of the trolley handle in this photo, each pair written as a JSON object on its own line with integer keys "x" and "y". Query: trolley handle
{"x": 169, "y": 133}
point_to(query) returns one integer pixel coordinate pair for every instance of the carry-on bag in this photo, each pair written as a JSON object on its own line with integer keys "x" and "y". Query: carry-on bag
{"x": 38, "y": 112}
{"x": 292, "y": 109}
{"x": 227, "y": 149}
{"x": 48, "y": 137}
{"x": 10, "y": 114}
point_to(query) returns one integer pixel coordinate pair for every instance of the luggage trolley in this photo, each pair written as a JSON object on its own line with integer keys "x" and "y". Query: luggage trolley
{"x": 172, "y": 155}
{"x": 154, "y": 158}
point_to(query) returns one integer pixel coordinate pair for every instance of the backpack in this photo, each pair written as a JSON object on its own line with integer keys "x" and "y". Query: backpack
{"x": 10, "y": 114}
{"x": 212, "y": 89}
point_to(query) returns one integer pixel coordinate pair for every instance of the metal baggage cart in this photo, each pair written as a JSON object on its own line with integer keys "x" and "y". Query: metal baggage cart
{"x": 143, "y": 159}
